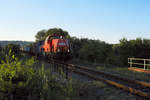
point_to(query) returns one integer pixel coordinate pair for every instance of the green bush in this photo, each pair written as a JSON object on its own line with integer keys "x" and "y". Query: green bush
{"x": 20, "y": 80}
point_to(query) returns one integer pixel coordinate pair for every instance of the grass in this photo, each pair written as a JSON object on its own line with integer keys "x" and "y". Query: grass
{"x": 124, "y": 72}
{"x": 95, "y": 90}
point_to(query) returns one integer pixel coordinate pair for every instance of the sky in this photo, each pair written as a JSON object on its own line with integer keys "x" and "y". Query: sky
{"x": 106, "y": 20}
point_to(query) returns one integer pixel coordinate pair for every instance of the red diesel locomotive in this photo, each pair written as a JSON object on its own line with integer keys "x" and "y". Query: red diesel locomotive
{"x": 56, "y": 46}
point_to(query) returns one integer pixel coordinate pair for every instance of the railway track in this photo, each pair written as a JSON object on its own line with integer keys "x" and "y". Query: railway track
{"x": 138, "y": 88}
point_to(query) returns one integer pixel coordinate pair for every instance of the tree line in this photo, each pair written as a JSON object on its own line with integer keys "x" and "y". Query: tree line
{"x": 116, "y": 54}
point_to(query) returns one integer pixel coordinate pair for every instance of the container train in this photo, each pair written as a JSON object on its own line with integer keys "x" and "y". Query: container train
{"x": 55, "y": 46}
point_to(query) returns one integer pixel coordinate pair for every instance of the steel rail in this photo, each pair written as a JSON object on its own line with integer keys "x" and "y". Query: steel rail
{"x": 128, "y": 89}
{"x": 144, "y": 84}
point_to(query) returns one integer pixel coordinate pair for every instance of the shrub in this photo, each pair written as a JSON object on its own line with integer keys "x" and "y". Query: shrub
{"x": 20, "y": 80}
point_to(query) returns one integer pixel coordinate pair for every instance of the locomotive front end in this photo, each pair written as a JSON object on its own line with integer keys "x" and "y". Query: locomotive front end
{"x": 63, "y": 49}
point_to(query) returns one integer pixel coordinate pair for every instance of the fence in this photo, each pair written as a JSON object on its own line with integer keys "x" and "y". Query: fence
{"x": 140, "y": 63}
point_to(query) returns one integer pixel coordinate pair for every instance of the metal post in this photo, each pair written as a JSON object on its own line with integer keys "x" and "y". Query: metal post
{"x": 130, "y": 62}
{"x": 67, "y": 72}
{"x": 144, "y": 64}
{"x": 71, "y": 68}
{"x": 53, "y": 66}
{"x": 57, "y": 68}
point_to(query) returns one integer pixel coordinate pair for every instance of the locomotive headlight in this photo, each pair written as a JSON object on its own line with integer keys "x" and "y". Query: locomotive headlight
{"x": 58, "y": 50}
